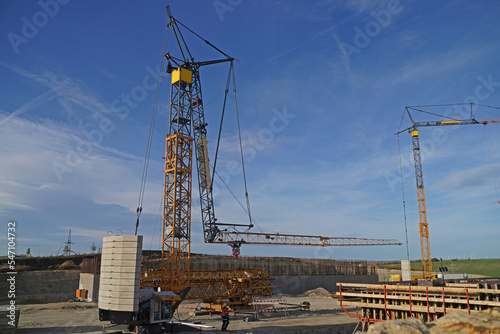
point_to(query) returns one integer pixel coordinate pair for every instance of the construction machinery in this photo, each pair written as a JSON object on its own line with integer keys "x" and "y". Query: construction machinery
{"x": 425, "y": 244}
{"x": 187, "y": 133}
{"x": 123, "y": 303}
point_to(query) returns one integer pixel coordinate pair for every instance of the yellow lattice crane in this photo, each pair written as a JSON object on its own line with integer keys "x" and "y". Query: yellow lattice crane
{"x": 187, "y": 133}
{"x": 425, "y": 244}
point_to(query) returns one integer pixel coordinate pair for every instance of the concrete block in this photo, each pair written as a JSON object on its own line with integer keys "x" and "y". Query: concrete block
{"x": 121, "y": 263}
{"x": 90, "y": 282}
{"x": 122, "y": 249}
{"x": 120, "y": 244}
{"x": 123, "y": 238}
{"x": 119, "y": 307}
{"x": 121, "y": 289}
{"x": 121, "y": 256}
{"x": 123, "y": 274}
{"x": 113, "y": 294}
{"x": 120, "y": 273}
{"x": 108, "y": 281}
{"x": 406, "y": 270}
{"x": 116, "y": 301}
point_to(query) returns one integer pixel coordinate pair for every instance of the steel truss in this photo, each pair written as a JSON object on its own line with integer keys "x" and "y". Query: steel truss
{"x": 291, "y": 239}
{"x": 238, "y": 286}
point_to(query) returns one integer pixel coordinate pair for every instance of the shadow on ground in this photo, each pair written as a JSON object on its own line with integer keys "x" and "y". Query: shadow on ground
{"x": 59, "y": 330}
{"x": 322, "y": 329}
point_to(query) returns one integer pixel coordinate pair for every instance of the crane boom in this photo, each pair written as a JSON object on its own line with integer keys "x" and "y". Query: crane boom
{"x": 425, "y": 245}
{"x": 293, "y": 239}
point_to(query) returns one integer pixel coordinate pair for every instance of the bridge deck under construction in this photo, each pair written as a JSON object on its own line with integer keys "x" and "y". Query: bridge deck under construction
{"x": 380, "y": 302}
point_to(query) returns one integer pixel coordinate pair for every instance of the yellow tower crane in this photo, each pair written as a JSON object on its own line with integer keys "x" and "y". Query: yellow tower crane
{"x": 425, "y": 244}
{"x": 187, "y": 131}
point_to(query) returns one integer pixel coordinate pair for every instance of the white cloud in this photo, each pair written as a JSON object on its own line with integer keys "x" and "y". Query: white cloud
{"x": 466, "y": 180}
{"x": 68, "y": 91}
{"x": 436, "y": 64}
{"x": 105, "y": 176}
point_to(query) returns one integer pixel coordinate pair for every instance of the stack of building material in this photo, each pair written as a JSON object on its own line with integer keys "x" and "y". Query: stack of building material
{"x": 120, "y": 273}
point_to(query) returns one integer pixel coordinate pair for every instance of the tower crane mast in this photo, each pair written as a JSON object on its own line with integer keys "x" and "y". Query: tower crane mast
{"x": 425, "y": 244}
{"x": 187, "y": 126}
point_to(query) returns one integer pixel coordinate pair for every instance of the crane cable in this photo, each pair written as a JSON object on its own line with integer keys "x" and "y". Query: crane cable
{"x": 492, "y": 163}
{"x": 403, "y": 188}
{"x": 231, "y": 76}
{"x": 150, "y": 135}
{"x": 404, "y": 201}
{"x": 241, "y": 149}
{"x": 226, "y": 91}
{"x": 490, "y": 152}
{"x": 254, "y": 223}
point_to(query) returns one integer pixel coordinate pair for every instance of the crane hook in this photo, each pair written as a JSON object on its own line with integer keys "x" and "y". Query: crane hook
{"x": 236, "y": 250}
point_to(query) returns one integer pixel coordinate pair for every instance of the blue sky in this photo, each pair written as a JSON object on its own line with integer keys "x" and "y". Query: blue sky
{"x": 321, "y": 91}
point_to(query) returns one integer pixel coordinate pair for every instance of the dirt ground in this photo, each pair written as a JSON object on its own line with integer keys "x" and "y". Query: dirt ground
{"x": 325, "y": 316}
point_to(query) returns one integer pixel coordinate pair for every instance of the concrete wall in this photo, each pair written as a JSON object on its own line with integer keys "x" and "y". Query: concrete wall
{"x": 300, "y": 284}
{"x": 47, "y": 286}
{"x": 55, "y": 286}
{"x": 90, "y": 282}
{"x": 294, "y": 276}
{"x": 276, "y": 266}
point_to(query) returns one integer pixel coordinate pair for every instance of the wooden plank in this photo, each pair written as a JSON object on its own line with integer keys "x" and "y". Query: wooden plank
{"x": 380, "y": 298}
{"x": 357, "y": 285}
{"x": 414, "y": 308}
{"x": 405, "y": 294}
{"x": 465, "y": 285}
{"x": 405, "y": 288}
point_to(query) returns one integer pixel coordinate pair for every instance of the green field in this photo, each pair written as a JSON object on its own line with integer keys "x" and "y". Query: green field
{"x": 479, "y": 267}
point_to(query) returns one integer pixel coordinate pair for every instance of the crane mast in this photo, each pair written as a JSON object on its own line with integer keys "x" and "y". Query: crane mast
{"x": 425, "y": 244}
{"x": 178, "y": 184}
{"x": 187, "y": 128}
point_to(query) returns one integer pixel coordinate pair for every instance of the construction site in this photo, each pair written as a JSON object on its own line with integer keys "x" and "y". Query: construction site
{"x": 126, "y": 288}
